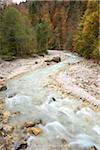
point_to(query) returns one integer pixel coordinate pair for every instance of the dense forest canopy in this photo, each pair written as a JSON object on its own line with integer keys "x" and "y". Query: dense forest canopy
{"x": 35, "y": 27}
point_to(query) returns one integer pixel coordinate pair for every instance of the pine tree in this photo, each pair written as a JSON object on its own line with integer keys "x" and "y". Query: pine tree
{"x": 17, "y": 37}
{"x": 42, "y": 37}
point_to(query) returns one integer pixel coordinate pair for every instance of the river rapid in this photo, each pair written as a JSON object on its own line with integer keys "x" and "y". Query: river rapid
{"x": 64, "y": 126}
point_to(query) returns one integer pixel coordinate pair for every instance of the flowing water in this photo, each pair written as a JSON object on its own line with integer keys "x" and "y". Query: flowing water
{"x": 63, "y": 126}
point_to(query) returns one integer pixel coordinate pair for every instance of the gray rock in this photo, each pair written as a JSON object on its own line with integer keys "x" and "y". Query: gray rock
{"x": 3, "y": 88}
{"x": 55, "y": 59}
{"x": 31, "y": 123}
{"x": 93, "y": 148}
{"x": 20, "y": 146}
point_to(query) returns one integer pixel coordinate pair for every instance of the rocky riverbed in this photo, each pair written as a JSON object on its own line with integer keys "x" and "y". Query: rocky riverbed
{"x": 50, "y": 102}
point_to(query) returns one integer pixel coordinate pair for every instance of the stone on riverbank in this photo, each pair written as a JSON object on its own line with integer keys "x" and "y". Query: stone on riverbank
{"x": 3, "y": 88}
{"x": 34, "y": 130}
{"x": 6, "y": 116}
{"x": 2, "y": 84}
{"x": 55, "y": 59}
{"x": 8, "y": 128}
{"x": 31, "y": 123}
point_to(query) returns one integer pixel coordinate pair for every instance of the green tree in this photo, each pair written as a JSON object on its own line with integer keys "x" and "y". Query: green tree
{"x": 87, "y": 36}
{"x": 34, "y": 12}
{"x": 17, "y": 36}
{"x": 42, "y": 32}
{"x": 0, "y": 29}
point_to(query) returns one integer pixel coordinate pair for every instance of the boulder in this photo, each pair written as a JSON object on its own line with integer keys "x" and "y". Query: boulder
{"x": 31, "y": 123}
{"x": 12, "y": 95}
{"x": 56, "y": 59}
{"x": 28, "y": 124}
{"x": 2, "y": 84}
{"x": 93, "y": 148}
{"x": 19, "y": 146}
{"x": 34, "y": 130}
{"x": 3, "y": 88}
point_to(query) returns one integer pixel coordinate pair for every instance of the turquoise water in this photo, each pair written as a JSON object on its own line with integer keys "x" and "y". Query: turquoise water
{"x": 63, "y": 124}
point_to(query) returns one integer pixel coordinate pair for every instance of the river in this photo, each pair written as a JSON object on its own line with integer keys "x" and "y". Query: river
{"x": 63, "y": 126}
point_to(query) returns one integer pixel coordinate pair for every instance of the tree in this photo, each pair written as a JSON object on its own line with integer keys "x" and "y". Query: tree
{"x": 87, "y": 36}
{"x": 42, "y": 37}
{"x": 62, "y": 18}
{"x": 0, "y": 30}
{"x": 34, "y": 11}
{"x": 17, "y": 37}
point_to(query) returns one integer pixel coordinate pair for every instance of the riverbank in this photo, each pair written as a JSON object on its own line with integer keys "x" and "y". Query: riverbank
{"x": 81, "y": 80}
{"x": 10, "y": 69}
{"x": 79, "y": 77}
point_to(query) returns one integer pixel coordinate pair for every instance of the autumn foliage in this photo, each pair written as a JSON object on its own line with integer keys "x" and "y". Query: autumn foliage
{"x": 42, "y": 25}
{"x": 86, "y": 41}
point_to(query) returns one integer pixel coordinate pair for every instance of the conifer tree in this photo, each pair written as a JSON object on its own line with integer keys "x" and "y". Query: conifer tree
{"x": 42, "y": 37}
{"x": 17, "y": 37}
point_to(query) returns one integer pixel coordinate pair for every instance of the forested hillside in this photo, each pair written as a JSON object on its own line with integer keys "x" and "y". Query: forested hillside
{"x": 35, "y": 27}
